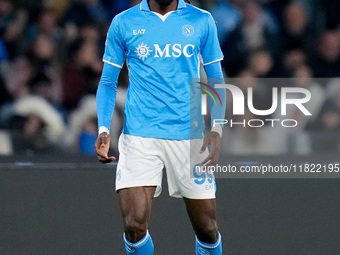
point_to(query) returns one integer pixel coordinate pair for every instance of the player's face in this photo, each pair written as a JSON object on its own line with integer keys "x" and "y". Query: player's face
{"x": 164, "y": 3}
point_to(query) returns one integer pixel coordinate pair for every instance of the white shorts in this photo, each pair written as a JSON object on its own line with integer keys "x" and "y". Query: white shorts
{"x": 141, "y": 163}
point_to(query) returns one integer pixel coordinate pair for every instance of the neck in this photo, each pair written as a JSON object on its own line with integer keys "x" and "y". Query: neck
{"x": 156, "y": 7}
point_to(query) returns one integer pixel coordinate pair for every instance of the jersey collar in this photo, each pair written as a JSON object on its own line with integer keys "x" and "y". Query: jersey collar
{"x": 144, "y": 6}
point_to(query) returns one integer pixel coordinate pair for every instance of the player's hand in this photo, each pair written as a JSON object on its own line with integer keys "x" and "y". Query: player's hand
{"x": 102, "y": 146}
{"x": 213, "y": 139}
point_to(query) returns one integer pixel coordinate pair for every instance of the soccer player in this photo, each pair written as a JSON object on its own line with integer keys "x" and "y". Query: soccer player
{"x": 163, "y": 42}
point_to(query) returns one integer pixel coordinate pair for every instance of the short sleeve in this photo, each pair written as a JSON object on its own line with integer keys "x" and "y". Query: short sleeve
{"x": 210, "y": 48}
{"x": 114, "y": 46}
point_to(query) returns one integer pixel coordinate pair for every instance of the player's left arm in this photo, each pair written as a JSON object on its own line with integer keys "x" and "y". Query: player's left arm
{"x": 217, "y": 111}
{"x": 212, "y": 55}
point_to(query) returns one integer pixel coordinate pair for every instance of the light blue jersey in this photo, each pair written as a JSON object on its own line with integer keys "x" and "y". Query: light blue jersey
{"x": 163, "y": 53}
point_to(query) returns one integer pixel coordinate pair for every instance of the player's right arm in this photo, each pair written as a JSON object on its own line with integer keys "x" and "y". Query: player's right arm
{"x": 113, "y": 58}
{"x": 106, "y": 97}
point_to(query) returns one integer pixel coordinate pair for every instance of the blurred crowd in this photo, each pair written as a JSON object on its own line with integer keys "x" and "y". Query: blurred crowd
{"x": 51, "y": 50}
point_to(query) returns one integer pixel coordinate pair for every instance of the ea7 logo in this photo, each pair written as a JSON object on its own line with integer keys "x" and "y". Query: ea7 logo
{"x": 139, "y": 32}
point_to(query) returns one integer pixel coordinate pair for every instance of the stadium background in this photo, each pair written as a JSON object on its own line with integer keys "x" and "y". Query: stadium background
{"x": 56, "y": 199}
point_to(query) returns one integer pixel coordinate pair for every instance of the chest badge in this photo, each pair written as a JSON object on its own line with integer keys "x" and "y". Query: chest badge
{"x": 188, "y": 30}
